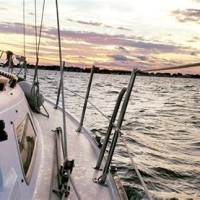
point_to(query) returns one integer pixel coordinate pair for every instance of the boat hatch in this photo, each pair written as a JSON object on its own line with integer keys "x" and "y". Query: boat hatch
{"x": 26, "y": 140}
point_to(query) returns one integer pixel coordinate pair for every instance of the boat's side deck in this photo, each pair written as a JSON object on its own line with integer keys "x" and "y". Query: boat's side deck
{"x": 81, "y": 148}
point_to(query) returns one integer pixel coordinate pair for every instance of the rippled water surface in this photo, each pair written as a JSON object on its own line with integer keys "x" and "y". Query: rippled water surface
{"x": 161, "y": 128}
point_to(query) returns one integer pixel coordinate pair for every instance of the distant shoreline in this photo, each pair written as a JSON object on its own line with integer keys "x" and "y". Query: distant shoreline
{"x": 114, "y": 72}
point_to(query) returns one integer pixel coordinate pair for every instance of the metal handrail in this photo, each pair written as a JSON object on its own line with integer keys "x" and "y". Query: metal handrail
{"x": 103, "y": 177}
{"x": 110, "y": 127}
{"x": 86, "y": 100}
{"x": 58, "y": 96}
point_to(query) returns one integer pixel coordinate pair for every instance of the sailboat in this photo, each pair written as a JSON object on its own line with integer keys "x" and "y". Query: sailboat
{"x": 45, "y": 152}
{"x": 32, "y": 161}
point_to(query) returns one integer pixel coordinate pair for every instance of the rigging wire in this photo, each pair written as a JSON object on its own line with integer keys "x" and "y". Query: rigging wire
{"x": 63, "y": 101}
{"x": 173, "y": 67}
{"x": 36, "y": 43}
{"x": 24, "y": 38}
{"x": 41, "y": 26}
{"x": 36, "y": 47}
{"x": 38, "y": 38}
{"x": 24, "y": 29}
{"x": 35, "y": 86}
{"x": 135, "y": 167}
{"x": 62, "y": 85}
{"x": 95, "y": 107}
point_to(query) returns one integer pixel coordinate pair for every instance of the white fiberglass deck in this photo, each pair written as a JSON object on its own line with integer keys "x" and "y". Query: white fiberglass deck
{"x": 82, "y": 149}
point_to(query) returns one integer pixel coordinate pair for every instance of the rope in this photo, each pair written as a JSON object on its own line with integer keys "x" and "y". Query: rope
{"x": 35, "y": 87}
{"x": 63, "y": 112}
{"x": 38, "y": 39}
{"x": 24, "y": 30}
{"x": 90, "y": 104}
{"x": 36, "y": 44}
{"x": 74, "y": 187}
{"x": 136, "y": 168}
{"x": 173, "y": 67}
{"x": 61, "y": 80}
{"x": 59, "y": 41}
{"x": 24, "y": 65}
{"x": 41, "y": 26}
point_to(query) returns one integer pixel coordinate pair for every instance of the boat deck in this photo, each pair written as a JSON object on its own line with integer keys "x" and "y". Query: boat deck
{"x": 82, "y": 148}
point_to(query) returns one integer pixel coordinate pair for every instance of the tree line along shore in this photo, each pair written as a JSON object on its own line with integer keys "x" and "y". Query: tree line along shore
{"x": 118, "y": 72}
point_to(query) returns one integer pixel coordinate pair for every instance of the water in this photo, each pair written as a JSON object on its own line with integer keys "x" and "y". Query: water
{"x": 161, "y": 128}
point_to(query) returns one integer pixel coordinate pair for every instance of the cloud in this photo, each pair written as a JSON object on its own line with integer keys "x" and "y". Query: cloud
{"x": 123, "y": 49}
{"x": 87, "y": 48}
{"x": 86, "y": 23}
{"x": 119, "y": 57}
{"x": 31, "y": 13}
{"x": 124, "y": 29}
{"x": 11, "y": 28}
{"x": 108, "y": 26}
{"x": 194, "y": 39}
{"x": 188, "y": 15}
{"x": 116, "y": 40}
{"x": 17, "y": 28}
{"x": 98, "y": 24}
{"x": 193, "y": 53}
{"x": 142, "y": 58}
{"x": 100, "y": 40}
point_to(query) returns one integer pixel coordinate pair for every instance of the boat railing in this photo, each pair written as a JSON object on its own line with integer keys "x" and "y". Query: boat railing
{"x": 125, "y": 92}
{"x": 86, "y": 99}
{"x": 110, "y": 127}
{"x": 102, "y": 178}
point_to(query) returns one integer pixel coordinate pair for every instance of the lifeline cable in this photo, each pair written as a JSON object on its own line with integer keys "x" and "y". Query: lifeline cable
{"x": 173, "y": 67}
{"x": 136, "y": 168}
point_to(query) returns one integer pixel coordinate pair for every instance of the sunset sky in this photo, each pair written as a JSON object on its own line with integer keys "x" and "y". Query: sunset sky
{"x": 112, "y": 34}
